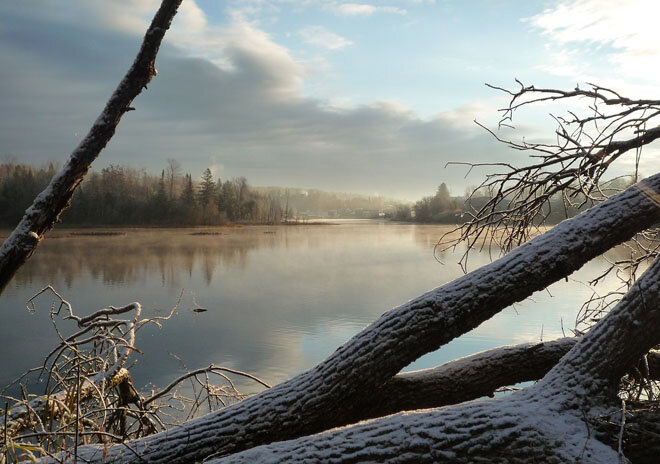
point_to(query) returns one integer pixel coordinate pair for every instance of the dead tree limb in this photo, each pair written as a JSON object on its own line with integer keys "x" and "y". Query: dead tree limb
{"x": 467, "y": 378}
{"x": 49, "y": 204}
{"x": 83, "y": 389}
{"x": 330, "y": 394}
{"x": 113, "y": 373}
{"x": 475, "y": 376}
{"x": 570, "y": 168}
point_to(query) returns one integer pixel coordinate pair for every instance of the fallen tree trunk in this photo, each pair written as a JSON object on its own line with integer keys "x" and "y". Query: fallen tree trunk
{"x": 552, "y": 421}
{"x": 474, "y": 376}
{"x": 49, "y": 204}
{"x": 330, "y": 394}
{"x": 467, "y": 378}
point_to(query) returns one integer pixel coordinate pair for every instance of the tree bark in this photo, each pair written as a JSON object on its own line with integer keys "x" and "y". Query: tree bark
{"x": 474, "y": 376}
{"x": 467, "y": 378}
{"x": 49, "y": 204}
{"x": 330, "y": 394}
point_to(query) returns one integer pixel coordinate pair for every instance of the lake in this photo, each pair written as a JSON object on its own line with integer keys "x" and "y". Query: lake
{"x": 279, "y": 299}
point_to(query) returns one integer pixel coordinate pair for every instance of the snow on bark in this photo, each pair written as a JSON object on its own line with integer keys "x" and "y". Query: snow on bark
{"x": 550, "y": 421}
{"x": 55, "y": 198}
{"x": 468, "y": 378}
{"x": 331, "y": 393}
{"x": 598, "y": 361}
{"x": 474, "y": 376}
{"x": 520, "y": 428}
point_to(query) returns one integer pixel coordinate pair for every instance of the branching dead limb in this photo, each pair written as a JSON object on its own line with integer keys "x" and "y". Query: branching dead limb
{"x": 482, "y": 374}
{"x": 571, "y": 168}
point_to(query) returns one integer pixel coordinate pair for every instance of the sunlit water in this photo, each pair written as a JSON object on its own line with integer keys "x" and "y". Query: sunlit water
{"x": 279, "y": 298}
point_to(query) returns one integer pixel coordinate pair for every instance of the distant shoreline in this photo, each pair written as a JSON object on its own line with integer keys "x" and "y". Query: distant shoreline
{"x": 122, "y": 230}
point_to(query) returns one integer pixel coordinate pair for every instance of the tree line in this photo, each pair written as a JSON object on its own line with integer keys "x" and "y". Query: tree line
{"x": 442, "y": 208}
{"x": 121, "y": 195}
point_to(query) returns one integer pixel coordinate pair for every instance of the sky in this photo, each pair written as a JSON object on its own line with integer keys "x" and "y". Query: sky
{"x": 370, "y": 97}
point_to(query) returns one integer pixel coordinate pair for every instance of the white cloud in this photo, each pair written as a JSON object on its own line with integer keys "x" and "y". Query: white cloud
{"x": 485, "y": 111}
{"x": 603, "y": 40}
{"x": 364, "y": 9}
{"x": 321, "y": 37}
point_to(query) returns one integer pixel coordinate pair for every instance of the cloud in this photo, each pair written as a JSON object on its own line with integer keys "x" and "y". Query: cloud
{"x": 242, "y": 108}
{"x": 321, "y": 37}
{"x": 364, "y": 9}
{"x": 620, "y": 40}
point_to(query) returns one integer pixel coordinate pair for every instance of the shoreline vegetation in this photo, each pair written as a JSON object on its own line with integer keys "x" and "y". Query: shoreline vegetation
{"x": 122, "y": 196}
{"x": 126, "y": 196}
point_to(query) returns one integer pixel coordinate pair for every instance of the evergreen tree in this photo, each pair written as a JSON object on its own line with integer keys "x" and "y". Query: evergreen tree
{"x": 160, "y": 207}
{"x": 188, "y": 194}
{"x": 206, "y": 192}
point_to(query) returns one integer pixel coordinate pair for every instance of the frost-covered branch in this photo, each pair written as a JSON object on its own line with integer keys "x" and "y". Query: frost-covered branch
{"x": 468, "y": 378}
{"x": 475, "y": 376}
{"x": 49, "y": 204}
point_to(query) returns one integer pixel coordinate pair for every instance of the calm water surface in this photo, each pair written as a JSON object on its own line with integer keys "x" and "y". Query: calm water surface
{"x": 280, "y": 299}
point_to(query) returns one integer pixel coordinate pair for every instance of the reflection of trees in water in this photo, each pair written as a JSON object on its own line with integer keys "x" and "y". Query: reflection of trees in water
{"x": 140, "y": 254}
{"x": 175, "y": 254}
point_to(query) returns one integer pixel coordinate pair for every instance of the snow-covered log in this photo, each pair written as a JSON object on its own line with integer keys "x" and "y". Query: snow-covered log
{"x": 551, "y": 421}
{"x": 467, "y": 378}
{"x": 474, "y": 376}
{"x": 49, "y": 204}
{"x": 331, "y": 393}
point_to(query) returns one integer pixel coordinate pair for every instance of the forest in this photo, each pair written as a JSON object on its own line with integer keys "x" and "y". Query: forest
{"x": 127, "y": 196}
{"x": 121, "y": 195}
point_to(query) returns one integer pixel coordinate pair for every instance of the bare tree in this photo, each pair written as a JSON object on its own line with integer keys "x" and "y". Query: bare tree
{"x": 586, "y": 147}
{"x": 49, "y": 204}
{"x": 173, "y": 172}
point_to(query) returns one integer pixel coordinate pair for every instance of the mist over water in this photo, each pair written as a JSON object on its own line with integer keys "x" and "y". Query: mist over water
{"x": 279, "y": 299}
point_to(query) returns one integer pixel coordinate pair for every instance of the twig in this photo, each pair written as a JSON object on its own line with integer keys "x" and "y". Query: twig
{"x": 622, "y": 458}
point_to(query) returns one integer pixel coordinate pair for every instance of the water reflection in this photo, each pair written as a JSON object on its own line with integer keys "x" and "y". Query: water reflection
{"x": 279, "y": 299}
{"x": 131, "y": 258}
